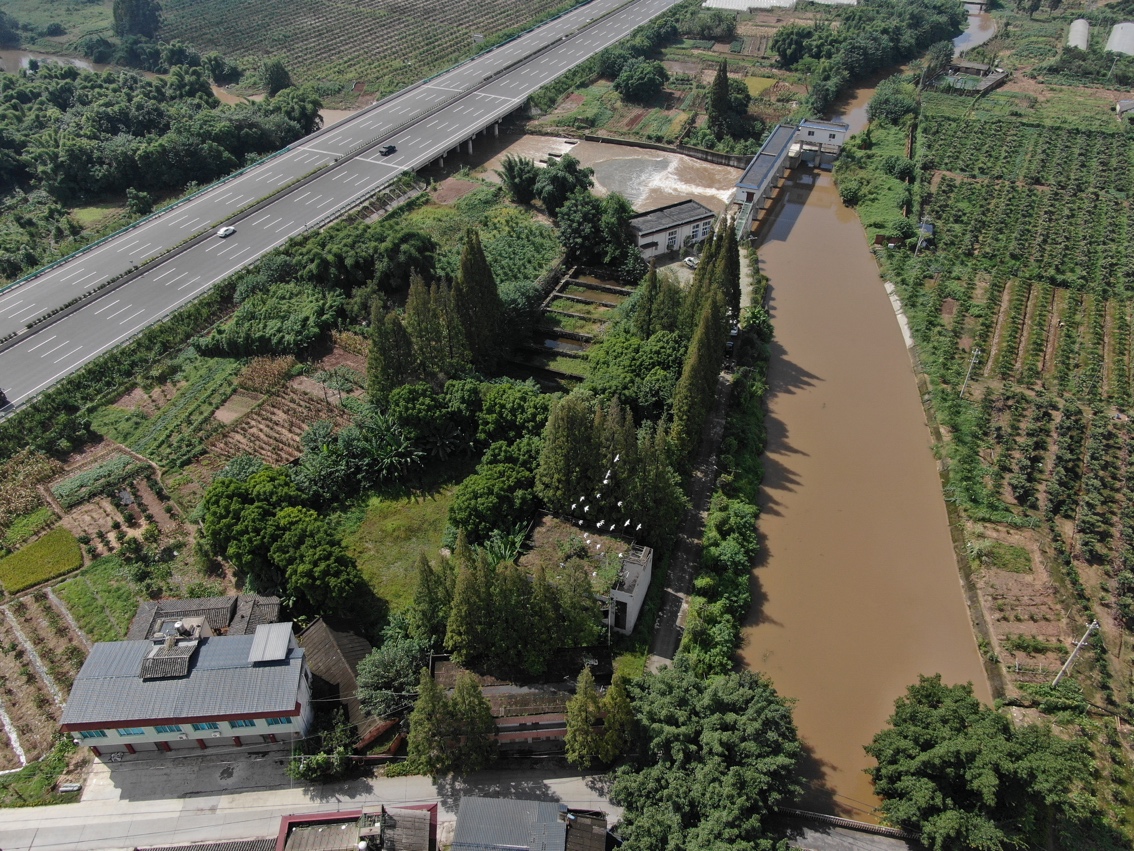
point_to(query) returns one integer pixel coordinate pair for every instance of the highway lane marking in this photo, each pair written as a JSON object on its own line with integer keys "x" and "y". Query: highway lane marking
{"x": 127, "y": 245}
{"x": 316, "y": 198}
{"x": 325, "y": 203}
{"x": 431, "y": 123}
{"x": 444, "y": 89}
{"x": 12, "y": 306}
{"x": 183, "y": 286}
{"x": 131, "y": 316}
{"x": 57, "y": 348}
{"x": 269, "y": 224}
{"x": 178, "y": 278}
{"x": 143, "y": 248}
{"x": 68, "y": 354}
{"x": 189, "y": 223}
{"x": 163, "y": 274}
{"x": 326, "y": 153}
{"x": 84, "y": 278}
{"x": 222, "y": 253}
{"x": 44, "y": 343}
{"x": 262, "y": 176}
{"x": 24, "y": 314}
{"x": 73, "y": 274}
{"x": 225, "y": 195}
{"x": 281, "y": 227}
{"x": 259, "y": 219}
{"x": 304, "y": 195}
{"x": 121, "y": 310}
{"x": 283, "y": 177}
{"x": 487, "y": 95}
{"x": 104, "y": 307}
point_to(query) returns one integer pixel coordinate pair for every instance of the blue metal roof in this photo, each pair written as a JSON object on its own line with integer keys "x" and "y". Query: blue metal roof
{"x": 771, "y": 154}
{"x": 221, "y": 682}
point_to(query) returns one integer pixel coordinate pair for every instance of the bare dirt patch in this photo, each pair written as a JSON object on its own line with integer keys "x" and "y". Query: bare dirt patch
{"x": 341, "y": 357}
{"x": 238, "y": 404}
{"x": 569, "y": 104}
{"x": 453, "y": 189}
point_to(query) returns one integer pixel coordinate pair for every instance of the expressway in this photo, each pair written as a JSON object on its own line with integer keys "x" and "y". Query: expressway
{"x": 341, "y": 164}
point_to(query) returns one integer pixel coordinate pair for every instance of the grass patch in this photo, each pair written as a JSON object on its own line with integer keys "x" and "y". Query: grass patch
{"x": 758, "y": 85}
{"x": 27, "y": 525}
{"x": 102, "y": 599}
{"x": 34, "y": 785}
{"x": 78, "y": 18}
{"x": 559, "y": 322}
{"x": 387, "y": 534}
{"x": 596, "y": 310}
{"x": 96, "y": 214}
{"x": 54, "y": 554}
{"x": 1031, "y": 645}
{"x": 1009, "y": 558}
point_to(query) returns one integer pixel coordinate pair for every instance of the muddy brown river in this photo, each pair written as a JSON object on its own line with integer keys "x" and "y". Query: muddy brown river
{"x": 857, "y": 591}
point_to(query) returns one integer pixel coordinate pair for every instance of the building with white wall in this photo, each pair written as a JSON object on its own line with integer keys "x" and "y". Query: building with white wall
{"x": 629, "y": 591}
{"x": 669, "y": 228}
{"x": 185, "y": 687}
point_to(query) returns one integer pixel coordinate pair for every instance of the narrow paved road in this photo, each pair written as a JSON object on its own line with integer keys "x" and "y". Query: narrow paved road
{"x": 424, "y": 123}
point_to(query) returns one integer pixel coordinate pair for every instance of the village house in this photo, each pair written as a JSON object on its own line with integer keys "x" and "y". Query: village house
{"x": 186, "y": 687}
{"x": 668, "y": 228}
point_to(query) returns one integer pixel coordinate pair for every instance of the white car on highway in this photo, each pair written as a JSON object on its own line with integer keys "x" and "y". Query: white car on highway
{"x": 227, "y": 230}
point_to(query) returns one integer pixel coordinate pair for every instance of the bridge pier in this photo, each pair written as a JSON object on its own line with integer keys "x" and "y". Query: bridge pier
{"x": 496, "y": 130}
{"x": 470, "y": 146}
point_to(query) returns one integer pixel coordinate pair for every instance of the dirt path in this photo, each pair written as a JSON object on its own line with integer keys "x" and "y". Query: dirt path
{"x": 687, "y": 555}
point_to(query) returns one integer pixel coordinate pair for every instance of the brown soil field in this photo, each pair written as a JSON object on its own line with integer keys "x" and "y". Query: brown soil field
{"x": 452, "y": 189}
{"x": 27, "y": 701}
{"x": 238, "y": 404}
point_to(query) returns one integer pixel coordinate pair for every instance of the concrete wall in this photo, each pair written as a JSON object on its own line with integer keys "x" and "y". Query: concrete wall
{"x": 684, "y": 234}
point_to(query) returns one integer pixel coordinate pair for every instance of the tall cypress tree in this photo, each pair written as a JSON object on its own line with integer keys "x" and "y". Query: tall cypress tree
{"x": 644, "y": 308}
{"x": 430, "y": 735}
{"x": 391, "y": 362}
{"x": 668, "y": 307}
{"x": 475, "y": 745}
{"x": 452, "y": 343}
{"x": 478, "y": 304}
{"x": 728, "y": 268}
{"x": 424, "y": 328}
{"x": 618, "y": 726}
{"x": 431, "y": 600}
{"x": 696, "y": 389}
{"x": 568, "y": 463}
{"x": 717, "y": 107}
{"x": 584, "y": 744}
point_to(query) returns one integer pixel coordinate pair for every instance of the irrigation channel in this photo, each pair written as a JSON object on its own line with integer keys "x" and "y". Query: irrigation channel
{"x": 858, "y": 591}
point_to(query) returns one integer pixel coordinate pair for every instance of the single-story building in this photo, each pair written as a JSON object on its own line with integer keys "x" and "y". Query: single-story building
{"x": 668, "y": 228}
{"x": 333, "y": 656}
{"x": 186, "y": 687}
{"x": 629, "y": 591}
{"x": 504, "y": 824}
{"x": 826, "y": 136}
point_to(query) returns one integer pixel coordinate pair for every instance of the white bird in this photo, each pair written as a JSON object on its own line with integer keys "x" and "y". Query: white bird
{"x": 608, "y": 472}
{"x": 619, "y": 503}
{"x": 600, "y": 523}
{"x": 638, "y": 527}
{"x": 598, "y": 496}
{"x": 627, "y": 523}
{"x": 586, "y": 508}
{"x": 573, "y": 504}
{"x": 616, "y": 457}
{"x": 598, "y": 546}
{"x": 587, "y": 535}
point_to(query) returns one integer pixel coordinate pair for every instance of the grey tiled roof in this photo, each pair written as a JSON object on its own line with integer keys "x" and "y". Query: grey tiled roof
{"x": 168, "y": 661}
{"x": 670, "y": 216}
{"x": 216, "y": 610}
{"x": 484, "y": 823}
{"x": 220, "y": 682}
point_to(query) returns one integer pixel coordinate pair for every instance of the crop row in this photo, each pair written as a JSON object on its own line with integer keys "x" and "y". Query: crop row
{"x": 369, "y": 40}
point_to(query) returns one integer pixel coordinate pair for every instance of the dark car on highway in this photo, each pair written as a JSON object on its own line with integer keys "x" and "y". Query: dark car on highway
{"x": 386, "y": 150}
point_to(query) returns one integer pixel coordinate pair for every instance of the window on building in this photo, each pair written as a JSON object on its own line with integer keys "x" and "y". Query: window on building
{"x": 236, "y": 725}
{"x": 278, "y": 722}
{"x": 671, "y": 240}
{"x": 832, "y": 136}
{"x": 92, "y": 734}
{"x": 167, "y": 728}
{"x": 208, "y": 725}
{"x": 131, "y": 731}
{"x": 810, "y": 132}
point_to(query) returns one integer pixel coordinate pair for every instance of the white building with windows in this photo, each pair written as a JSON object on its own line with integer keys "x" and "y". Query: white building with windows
{"x": 185, "y": 687}
{"x": 669, "y": 228}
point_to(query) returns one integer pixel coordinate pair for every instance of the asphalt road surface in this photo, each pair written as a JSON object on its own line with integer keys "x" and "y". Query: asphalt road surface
{"x": 424, "y": 122}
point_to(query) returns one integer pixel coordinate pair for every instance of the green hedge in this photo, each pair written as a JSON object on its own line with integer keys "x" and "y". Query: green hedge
{"x": 54, "y": 554}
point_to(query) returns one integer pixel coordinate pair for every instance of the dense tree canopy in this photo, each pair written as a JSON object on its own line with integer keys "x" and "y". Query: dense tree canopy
{"x": 641, "y": 80}
{"x": 137, "y": 17}
{"x": 962, "y": 776}
{"x": 715, "y": 756}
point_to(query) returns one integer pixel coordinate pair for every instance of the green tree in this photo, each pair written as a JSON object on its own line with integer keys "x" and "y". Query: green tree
{"x": 568, "y": 464}
{"x": 641, "y": 80}
{"x": 618, "y": 724}
{"x": 717, "y": 107}
{"x": 468, "y": 633}
{"x": 326, "y": 752}
{"x": 583, "y": 742}
{"x": 496, "y": 497}
{"x": 276, "y": 77}
{"x": 696, "y": 389}
{"x": 716, "y": 756}
{"x": 138, "y": 203}
{"x": 644, "y": 301}
{"x": 137, "y": 17}
{"x": 431, "y": 600}
{"x": 559, "y": 180}
{"x": 519, "y": 175}
{"x": 478, "y": 304}
{"x": 321, "y": 577}
{"x": 473, "y": 725}
{"x": 580, "y": 222}
{"x": 430, "y": 737}
{"x": 391, "y": 361}
{"x": 961, "y": 775}
{"x": 387, "y": 675}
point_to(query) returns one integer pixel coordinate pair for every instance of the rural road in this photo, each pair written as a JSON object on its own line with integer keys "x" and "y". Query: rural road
{"x": 424, "y": 122}
{"x": 158, "y": 799}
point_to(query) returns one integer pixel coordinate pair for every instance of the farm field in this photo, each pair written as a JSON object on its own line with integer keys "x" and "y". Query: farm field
{"x": 378, "y": 43}
{"x": 1024, "y": 300}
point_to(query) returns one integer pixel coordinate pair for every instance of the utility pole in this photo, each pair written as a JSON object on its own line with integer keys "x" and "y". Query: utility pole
{"x": 1071, "y": 659}
{"x": 972, "y": 363}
